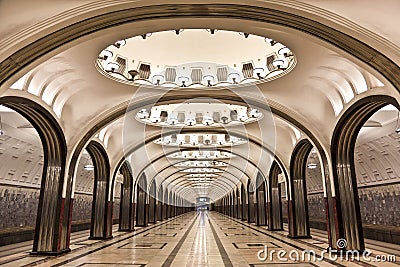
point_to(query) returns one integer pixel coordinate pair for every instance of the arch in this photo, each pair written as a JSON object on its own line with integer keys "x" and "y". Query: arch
{"x": 229, "y": 186}
{"x": 269, "y": 150}
{"x": 165, "y": 203}
{"x": 160, "y": 203}
{"x": 223, "y": 97}
{"x": 251, "y": 211}
{"x": 142, "y": 205}
{"x": 274, "y": 203}
{"x": 261, "y": 200}
{"x": 153, "y": 202}
{"x": 216, "y": 184}
{"x": 54, "y": 216}
{"x": 299, "y": 225}
{"x": 170, "y": 204}
{"x": 239, "y": 201}
{"x": 126, "y": 214}
{"x": 348, "y": 216}
{"x": 244, "y": 202}
{"x": 101, "y": 222}
{"x": 234, "y": 203}
{"x": 255, "y": 142}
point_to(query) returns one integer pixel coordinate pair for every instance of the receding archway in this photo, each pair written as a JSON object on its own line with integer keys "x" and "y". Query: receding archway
{"x": 274, "y": 203}
{"x": 348, "y": 215}
{"x": 153, "y": 202}
{"x": 160, "y": 203}
{"x": 239, "y": 201}
{"x": 251, "y": 210}
{"x": 244, "y": 202}
{"x": 52, "y": 221}
{"x": 261, "y": 200}
{"x": 126, "y": 218}
{"x": 101, "y": 224}
{"x": 299, "y": 225}
{"x": 142, "y": 207}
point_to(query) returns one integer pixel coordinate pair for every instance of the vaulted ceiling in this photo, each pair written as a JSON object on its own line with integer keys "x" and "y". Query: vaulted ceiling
{"x": 323, "y": 83}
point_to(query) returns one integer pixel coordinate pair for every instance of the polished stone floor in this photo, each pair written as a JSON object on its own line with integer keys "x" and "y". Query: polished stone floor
{"x": 194, "y": 239}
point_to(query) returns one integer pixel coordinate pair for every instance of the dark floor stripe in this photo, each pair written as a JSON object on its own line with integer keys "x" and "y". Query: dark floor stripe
{"x": 178, "y": 246}
{"x": 116, "y": 242}
{"x": 364, "y": 264}
{"x": 222, "y": 251}
{"x": 283, "y": 241}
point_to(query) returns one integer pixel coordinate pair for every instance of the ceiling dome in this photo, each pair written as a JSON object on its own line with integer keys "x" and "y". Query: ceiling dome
{"x": 195, "y": 58}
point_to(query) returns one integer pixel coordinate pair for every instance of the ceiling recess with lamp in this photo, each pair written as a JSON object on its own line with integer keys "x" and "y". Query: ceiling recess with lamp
{"x": 198, "y": 115}
{"x": 200, "y": 140}
{"x": 197, "y": 58}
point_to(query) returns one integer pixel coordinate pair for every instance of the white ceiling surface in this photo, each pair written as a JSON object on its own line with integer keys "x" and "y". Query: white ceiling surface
{"x": 330, "y": 81}
{"x": 197, "y": 45}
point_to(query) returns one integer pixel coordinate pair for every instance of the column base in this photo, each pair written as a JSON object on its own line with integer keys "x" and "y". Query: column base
{"x": 281, "y": 229}
{"x": 50, "y": 253}
{"x": 100, "y": 238}
{"x": 300, "y": 237}
{"x": 126, "y": 230}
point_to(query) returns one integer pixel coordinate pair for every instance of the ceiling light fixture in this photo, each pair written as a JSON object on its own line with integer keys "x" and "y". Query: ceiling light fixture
{"x": 312, "y": 160}
{"x": 89, "y": 167}
{"x": 270, "y": 41}
{"x": 245, "y": 34}
{"x": 113, "y": 67}
{"x": 312, "y": 166}
{"x": 158, "y": 79}
{"x": 209, "y": 79}
{"x": 144, "y": 36}
{"x": 279, "y": 64}
{"x": 212, "y": 31}
{"x": 105, "y": 54}
{"x": 259, "y": 72}
{"x": 183, "y": 81}
{"x": 120, "y": 43}
{"x": 207, "y": 120}
{"x": 284, "y": 51}
{"x": 155, "y": 115}
{"x": 172, "y": 118}
{"x": 233, "y": 77}
{"x": 177, "y": 32}
{"x": 143, "y": 114}
{"x": 190, "y": 118}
